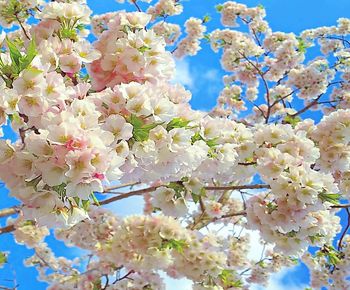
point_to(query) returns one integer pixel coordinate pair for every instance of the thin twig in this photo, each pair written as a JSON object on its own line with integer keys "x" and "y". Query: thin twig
{"x": 136, "y": 5}
{"x": 110, "y": 189}
{"x": 238, "y": 187}
{"x": 313, "y": 103}
{"x": 345, "y": 205}
{"x": 345, "y": 230}
{"x": 22, "y": 27}
{"x": 261, "y": 74}
{"x": 128, "y": 194}
{"x": 125, "y": 276}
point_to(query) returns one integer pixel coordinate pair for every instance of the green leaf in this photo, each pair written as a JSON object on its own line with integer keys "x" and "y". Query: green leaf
{"x": 140, "y": 135}
{"x": 315, "y": 238}
{"x": 15, "y": 117}
{"x": 219, "y": 7}
{"x": 291, "y": 234}
{"x": 212, "y": 153}
{"x": 95, "y": 199}
{"x": 97, "y": 285}
{"x": 177, "y": 123}
{"x": 227, "y": 278}
{"x": 135, "y": 121}
{"x": 68, "y": 33}
{"x": 85, "y": 204}
{"x": 196, "y": 137}
{"x": 196, "y": 196}
{"x": 271, "y": 206}
{"x": 144, "y": 48}
{"x": 15, "y": 54}
{"x": 3, "y": 258}
{"x": 333, "y": 258}
{"x": 141, "y": 131}
{"x": 262, "y": 264}
{"x": 207, "y": 37}
{"x": 151, "y": 126}
{"x": 80, "y": 27}
{"x": 60, "y": 189}
{"x": 177, "y": 245}
{"x": 206, "y": 18}
{"x": 177, "y": 187}
{"x": 294, "y": 260}
{"x": 302, "y": 45}
{"x": 292, "y": 120}
{"x": 212, "y": 142}
{"x": 330, "y": 197}
{"x": 30, "y": 54}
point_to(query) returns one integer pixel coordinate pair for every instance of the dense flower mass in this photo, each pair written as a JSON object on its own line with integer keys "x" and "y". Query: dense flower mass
{"x": 104, "y": 121}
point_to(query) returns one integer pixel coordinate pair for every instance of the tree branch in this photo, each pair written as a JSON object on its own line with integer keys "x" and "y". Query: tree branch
{"x": 123, "y": 195}
{"x": 109, "y": 189}
{"x": 7, "y": 229}
{"x": 128, "y": 194}
{"x": 9, "y": 211}
{"x": 345, "y": 230}
{"x": 238, "y": 187}
{"x": 313, "y": 103}
{"x": 22, "y": 27}
{"x": 346, "y": 205}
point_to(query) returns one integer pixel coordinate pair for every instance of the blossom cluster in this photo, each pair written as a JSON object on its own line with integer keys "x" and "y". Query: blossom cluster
{"x": 95, "y": 117}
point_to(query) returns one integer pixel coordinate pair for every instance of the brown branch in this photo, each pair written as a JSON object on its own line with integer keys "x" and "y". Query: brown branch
{"x": 313, "y": 103}
{"x": 128, "y": 194}
{"x": 261, "y": 74}
{"x": 153, "y": 188}
{"x": 345, "y": 230}
{"x": 247, "y": 163}
{"x": 136, "y": 5}
{"x": 238, "y": 187}
{"x": 282, "y": 98}
{"x": 125, "y": 276}
{"x": 22, "y": 27}
{"x": 7, "y": 229}
{"x": 341, "y": 206}
{"x": 9, "y": 211}
{"x": 110, "y": 189}
{"x": 233, "y": 214}
{"x": 204, "y": 220}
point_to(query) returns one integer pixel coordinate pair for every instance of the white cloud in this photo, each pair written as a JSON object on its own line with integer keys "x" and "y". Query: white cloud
{"x": 211, "y": 75}
{"x": 183, "y": 74}
{"x": 278, "y": 281}
{"x": 177, "y": 284}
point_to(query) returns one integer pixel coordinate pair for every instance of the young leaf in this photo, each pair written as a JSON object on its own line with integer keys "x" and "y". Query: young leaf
{"x": 330, "y": 197}
{"x": 94, "y": 199}
{"x": 219, "y": 7}
{"x": 30, "y": 54}
{"x": 301, "y": 45}
{"x": 206, "y": 18}
{"x": 292, "y": 120}
{"x": 227, "y": 278}
{"x": 177, "y": 245}
{"x": 15, "y": 54}
{"x": 3, "y": 258}
{"x": 177, "y": 123}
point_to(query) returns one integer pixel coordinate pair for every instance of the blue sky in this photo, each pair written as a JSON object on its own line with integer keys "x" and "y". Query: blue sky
{"x": 202, "y": 75}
